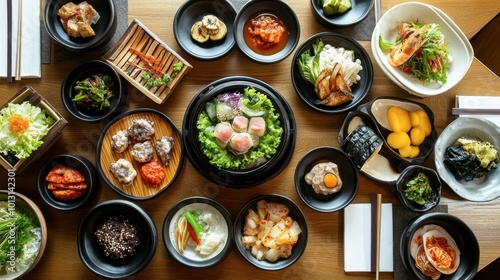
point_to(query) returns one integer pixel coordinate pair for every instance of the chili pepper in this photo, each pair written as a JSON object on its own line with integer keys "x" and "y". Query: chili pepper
{"x": 193, "y": 234}
{"x": 197, "y": 228}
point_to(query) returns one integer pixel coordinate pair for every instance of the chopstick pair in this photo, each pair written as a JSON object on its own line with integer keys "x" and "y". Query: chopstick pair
{"x": 9, "y": 40}
{"x": 376, "y": 220}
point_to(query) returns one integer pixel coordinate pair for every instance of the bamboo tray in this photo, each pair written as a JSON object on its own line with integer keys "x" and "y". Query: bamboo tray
{"x": 105, "y": 156}
{"x": 139, "y": 37}
{"x": 27, "y": 93}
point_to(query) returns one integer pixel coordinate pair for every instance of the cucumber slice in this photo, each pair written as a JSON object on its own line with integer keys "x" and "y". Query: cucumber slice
{"x": 211, "y": 111}
{"x": 250, "y": 113}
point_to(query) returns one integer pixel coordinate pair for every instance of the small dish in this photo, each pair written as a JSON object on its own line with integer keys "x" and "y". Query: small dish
{"x": 357, "y": 13}
{"x": 243, "y": 177}
{"x": 190, "y": 257}
{"x": 305, "y": 90}
{"x": 410, "y": 173}
{"x": 163, "y": 126}
{"x": 479, "y": 189}
{"x": 27, "y": 206}
{"x": 295, "y": 213}
{"x": 348, "y": 174}
{"x": 129, "y": 51}
{"x": 193, "y": 11}
{"x": 104, "y": 28}
{"x": 284, "y": 13}
{"x": 464, "y": 238}
{"x": 78, "y": 163}
{"x": 87, "y": 70}
{"x": 460, "y": 49}
{"x": 94, "y": 257}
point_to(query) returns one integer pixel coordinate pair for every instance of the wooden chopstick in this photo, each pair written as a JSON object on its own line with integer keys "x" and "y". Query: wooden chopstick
{"x": 9, "y": 41}
{"x": 376, "y": 207}
{"x": 475, "y": 111}
{"x": 377, "y": 10}
{"x": 19, "y": 35}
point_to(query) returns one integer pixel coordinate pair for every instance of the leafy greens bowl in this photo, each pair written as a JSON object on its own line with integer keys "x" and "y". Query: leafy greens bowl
{"x": 239, "y": 132}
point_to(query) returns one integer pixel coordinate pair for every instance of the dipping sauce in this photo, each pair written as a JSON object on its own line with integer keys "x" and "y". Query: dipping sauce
{"x": 265, "y": 34}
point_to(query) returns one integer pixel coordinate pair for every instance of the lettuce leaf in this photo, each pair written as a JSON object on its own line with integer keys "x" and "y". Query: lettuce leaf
{"x": 23, "y": 143}
{"x": 308, "y": 62}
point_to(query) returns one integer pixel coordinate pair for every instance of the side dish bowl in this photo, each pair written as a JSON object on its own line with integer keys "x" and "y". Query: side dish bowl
{"x": 283, "y": 12}
{"x": 88, "y": 69}
{"x": 460, "y": 48}
{"x": 104, "y": 28}
{"x": 357, "y": 13}
{"x": 479, "y": 189}
{"x": 348, "y": 174}
{"x": 75, "y": 162}
{"x": 305, "y": 90}
{"x": 410, "y": 173}
{"x": 295, "y": 213}
{"x": 223, "y": 225}
{"x": 93, "y": 256}
{"x": 27, "y": 206}
{"x": 462, "y": 235}
{"x": 193, "y": 11}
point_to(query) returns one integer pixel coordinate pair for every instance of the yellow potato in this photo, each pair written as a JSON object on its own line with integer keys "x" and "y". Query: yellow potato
{"x": 405, "y": 151}
{"x": 417, "y": 136}
{"x": 398, "y": 140}
{"x": 399, "y": 119}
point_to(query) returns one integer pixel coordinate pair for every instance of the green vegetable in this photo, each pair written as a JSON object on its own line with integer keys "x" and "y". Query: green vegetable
{"x": 156, "y": 81}
{"x": 308, "y": 63}
{"x": 22, "y": 127}
{"x": 26, "y": 243}
{"x": 94, "y": 92}
{"x": 385, "y": 45}
{"x": 419, "y": 189}
{"x": 197, "y": 227}
{"x": 331, "y": 7}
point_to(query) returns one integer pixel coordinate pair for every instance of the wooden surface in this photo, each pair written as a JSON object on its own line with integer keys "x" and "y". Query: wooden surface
{"x": 323, "y": 258}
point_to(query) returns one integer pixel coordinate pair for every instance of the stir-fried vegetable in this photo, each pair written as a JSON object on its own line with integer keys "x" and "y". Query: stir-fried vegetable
{"x": 94, "y": 92}
{"x": 22, "y": 128}
{"x": 153, "y": 80}
{"x": 19, "y": 240}
{"x": 309, "y": 63}
{"x": 419, "y": 189}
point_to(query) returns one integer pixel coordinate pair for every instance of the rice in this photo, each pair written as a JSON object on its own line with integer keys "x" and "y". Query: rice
{"x": 351, "y": 66}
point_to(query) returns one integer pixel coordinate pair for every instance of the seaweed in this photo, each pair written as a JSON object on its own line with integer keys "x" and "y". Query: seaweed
{"x": 463, "y": 165}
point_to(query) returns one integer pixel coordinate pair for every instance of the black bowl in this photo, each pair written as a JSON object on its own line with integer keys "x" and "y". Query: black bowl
{"x": 458, "y": 230}
{"x": 238, "y": 178}
{"x": 74, "y": 161}
{"x": 190, "y": 258}
{"x": 348, "y": 174}
{"x": 86, "y": 70}
{"x": 295, "y": 213}
{"x": 305, "y": 90}
{"x": 104, "y": 28}
{"x": 408, "y": 174}
{"x": 358, "y": 12}
{"x": 193, "y": 11}
{"x": 94, "y": 258}
{"x": 281, "y": 10}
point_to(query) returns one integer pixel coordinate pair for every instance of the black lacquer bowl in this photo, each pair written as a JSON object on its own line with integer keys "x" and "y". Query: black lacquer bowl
{"x": 245, "y": 177}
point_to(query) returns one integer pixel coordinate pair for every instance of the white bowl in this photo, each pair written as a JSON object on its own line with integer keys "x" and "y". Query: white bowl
{"x": 460, "y": 48}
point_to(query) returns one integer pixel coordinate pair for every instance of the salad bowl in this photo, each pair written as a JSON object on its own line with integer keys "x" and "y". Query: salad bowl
{"x": 244, "y": 169}
{"x": 459, "y": 47}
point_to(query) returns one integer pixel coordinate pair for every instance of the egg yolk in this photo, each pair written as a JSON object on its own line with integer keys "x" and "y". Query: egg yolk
{"x": 330, "y": 180}
{"x": 18, "y": 123}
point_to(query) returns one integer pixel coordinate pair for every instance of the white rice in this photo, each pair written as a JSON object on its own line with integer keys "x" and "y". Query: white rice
{"x": 350, "y": 65}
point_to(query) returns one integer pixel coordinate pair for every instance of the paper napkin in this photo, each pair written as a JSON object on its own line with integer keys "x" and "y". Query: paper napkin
{"x": 484, "y": 102}
{"x": 30, "y": 34}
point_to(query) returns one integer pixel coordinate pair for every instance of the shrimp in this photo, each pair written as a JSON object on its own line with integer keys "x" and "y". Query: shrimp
{"x": 410, "y": 44}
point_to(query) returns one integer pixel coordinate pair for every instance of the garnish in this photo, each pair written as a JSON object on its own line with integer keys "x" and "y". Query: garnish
{"x": 419, "y": 189}
{"x": 153, "y": 74}
{"x": 94, "y": 92}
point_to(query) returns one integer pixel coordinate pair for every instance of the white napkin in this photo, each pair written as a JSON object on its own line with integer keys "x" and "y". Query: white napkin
{"x": 30, "y": 38}
{"x": 357, "y": 238}
{"x": 484, "y": 102}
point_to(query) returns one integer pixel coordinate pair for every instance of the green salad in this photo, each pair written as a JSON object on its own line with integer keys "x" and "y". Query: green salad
{"x": 22, "y": 128}
{"x": 226, "y": 109}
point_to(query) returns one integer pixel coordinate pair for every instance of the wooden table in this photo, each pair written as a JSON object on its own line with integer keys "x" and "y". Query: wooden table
{"x": 323, "y": 258}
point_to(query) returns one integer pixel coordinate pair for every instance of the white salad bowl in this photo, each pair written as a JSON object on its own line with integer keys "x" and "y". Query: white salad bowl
{"x": 460, "y": 48}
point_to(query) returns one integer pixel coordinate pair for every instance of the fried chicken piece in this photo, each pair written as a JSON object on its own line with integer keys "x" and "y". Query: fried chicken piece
{"x": 63, "y": 175}
{"x": 66, "y": 195}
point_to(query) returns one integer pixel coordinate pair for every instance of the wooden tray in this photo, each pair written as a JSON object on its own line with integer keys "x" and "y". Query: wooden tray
{"x": 138, "y": 37}
{"x": 105, "y": 156}
{"x": 27, "y": 93}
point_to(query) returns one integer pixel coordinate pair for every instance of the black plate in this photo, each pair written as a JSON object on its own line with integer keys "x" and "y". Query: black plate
{"x": 296, "y": 214}
{"x": 193, "y": 11}
{"x": 93, "y": 256}
{"x": 232, "y": 178}
{"x": 172, "y": 248}
{"x": 281, "y": 10}
{"x": 348, "y": 174}
{"x": 358, "y": 12}
{"x": 305, "y": 90}
{"x": 458, "y": 230}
